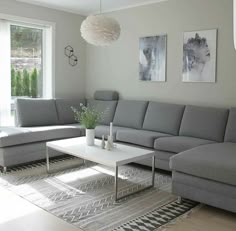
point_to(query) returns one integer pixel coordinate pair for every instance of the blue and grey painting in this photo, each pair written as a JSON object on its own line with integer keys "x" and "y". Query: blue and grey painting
{"x": 152, "y": 58}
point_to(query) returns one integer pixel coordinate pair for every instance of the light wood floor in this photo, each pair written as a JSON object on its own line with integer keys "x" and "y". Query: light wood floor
{"x": 17, "y": 214}
{"x": 206, "y": 219}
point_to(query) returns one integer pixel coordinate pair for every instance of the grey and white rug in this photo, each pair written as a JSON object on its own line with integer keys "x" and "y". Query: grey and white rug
{"x": 83, "y": 195}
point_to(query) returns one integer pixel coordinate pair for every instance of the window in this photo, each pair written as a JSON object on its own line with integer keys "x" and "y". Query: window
{"x": 26, "y": 62}
{"x": 25, "y": 65}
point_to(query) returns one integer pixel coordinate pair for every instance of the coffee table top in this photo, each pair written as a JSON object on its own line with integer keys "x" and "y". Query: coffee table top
{"x": 120, "y": 155}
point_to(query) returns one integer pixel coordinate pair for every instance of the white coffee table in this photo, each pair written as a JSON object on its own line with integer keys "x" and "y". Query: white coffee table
{"x": 120, "y": 155}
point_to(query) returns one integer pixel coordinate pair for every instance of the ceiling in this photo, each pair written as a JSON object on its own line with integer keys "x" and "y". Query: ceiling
{"x": 86, "y": 7}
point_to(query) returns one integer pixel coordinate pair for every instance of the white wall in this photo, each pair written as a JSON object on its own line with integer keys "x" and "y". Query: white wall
{"x": 69, "y": 81}
{"x": 116, "y": 67}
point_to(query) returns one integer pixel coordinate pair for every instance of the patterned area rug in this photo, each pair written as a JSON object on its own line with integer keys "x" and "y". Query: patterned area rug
{"x": 83, "y": 195}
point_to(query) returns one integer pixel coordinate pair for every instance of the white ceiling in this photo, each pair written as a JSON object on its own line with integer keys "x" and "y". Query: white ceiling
{"x": 86, "y": 7}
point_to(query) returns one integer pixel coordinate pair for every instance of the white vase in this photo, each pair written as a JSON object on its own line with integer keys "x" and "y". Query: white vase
{"x": 90, "y": 136}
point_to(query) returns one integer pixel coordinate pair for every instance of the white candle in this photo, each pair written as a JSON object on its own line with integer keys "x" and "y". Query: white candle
{"x": 111, "y": 129}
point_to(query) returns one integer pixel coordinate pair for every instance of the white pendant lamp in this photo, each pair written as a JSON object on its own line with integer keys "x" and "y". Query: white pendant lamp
{"x": 100, "y": 30}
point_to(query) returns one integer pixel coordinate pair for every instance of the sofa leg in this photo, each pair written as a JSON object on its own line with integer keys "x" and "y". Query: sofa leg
{"x": 4, "y": 169}
{"x": 179, "y": 200}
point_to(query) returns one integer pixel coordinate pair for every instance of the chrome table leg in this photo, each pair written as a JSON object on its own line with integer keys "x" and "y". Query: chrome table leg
{"x": 116, "y": 183}
{"x": 179, "y": 200}
{"x": 47, "y": 159}
{"x": 153, "y": 170}
{"x": 129, "y": 194}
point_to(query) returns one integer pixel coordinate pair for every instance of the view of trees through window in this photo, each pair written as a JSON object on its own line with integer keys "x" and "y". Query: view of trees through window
{"x": 26, "y": 62}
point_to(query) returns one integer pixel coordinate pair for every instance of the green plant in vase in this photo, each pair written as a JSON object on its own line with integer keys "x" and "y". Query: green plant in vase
{"x": 88, "y": 117}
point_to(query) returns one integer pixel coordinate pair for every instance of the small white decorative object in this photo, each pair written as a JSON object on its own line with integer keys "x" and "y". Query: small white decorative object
{"x": 100, "y": 30}
{"x": 103, "y": 144}
{"x": 90, "y": 136}
{"x": 108, "y": 145}
{"x": 111, "y": 141}
{"x": 111, "y": 126}
{"x": 111, "y": 134}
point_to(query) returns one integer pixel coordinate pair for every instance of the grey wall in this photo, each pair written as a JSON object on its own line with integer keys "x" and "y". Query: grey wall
{"x": 116, "y": 67}
{"x": 69, "y": 81}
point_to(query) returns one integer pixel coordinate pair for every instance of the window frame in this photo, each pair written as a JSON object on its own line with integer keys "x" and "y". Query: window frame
{"x": 48, "y": 46}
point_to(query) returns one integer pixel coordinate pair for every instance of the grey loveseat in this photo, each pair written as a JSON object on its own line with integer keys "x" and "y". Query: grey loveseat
{"x": 197, "y": 143}
{"x": 42, "y": 120}
{"x": 38, "y": 121}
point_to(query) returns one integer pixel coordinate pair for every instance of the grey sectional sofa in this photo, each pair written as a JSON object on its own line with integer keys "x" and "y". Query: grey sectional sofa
{"x": 207, "y": 173}
{"x": 198, "y": 144}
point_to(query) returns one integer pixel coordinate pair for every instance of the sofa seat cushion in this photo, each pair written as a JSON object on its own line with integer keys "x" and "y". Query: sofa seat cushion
{"x": 10, "y": 136}
{"x": 213, "y": 161}
{"x": 162, "y": 155}
{"x": 139, "y": 137}
{"x": 104, "y": 130}
{"x": 178, "y": 144}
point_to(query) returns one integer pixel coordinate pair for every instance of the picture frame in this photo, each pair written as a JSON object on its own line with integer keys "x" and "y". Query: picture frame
{"x": 199, "y": 56}
{"x": 152, "y": 58}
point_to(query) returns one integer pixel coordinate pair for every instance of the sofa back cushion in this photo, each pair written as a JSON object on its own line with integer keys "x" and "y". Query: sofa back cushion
{"x": 204, "y": 122}
{"x": 163, "y": 117}
{"x": 36, "y": 112}
{"x": 106, "y": 107}
{"x": 230, "y": 134}
{"x": 106, "y": 95}
{"x": 64, "y": 111}
{"x": 130, "y": 113}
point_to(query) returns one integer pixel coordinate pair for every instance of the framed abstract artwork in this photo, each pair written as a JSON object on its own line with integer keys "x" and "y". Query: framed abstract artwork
{"x": 152, "y": 58}
{"x": 199, "y": 56}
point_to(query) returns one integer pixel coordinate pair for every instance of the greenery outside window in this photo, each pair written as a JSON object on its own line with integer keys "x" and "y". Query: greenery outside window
{"x": 26, "y": 62}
